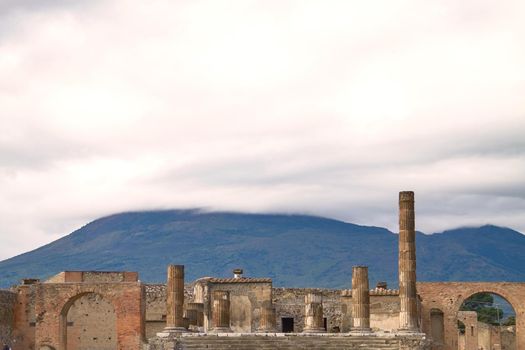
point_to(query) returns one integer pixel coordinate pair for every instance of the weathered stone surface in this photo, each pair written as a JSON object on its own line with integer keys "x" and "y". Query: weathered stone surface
{"x": 449, "y": 296}
{"x": 360, "y": 299}
{"x": 221, "y": 311}
{"x": 7, "y": 316}
{"x": 470, "y": 320}
{"x": 175, "y": 297}
{"x": 267, "y": 321}
{"x": 313, "y": 320}
{"x": 407, "y": 263}
{"x": 279, "y": 341}
{"x": 53, "y": 301}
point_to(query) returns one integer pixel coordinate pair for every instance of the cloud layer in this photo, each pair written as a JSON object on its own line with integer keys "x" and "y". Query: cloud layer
{"x": 327, "y": 108}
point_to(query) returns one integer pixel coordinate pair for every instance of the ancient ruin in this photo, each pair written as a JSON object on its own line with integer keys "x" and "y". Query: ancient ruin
{"x": 113, "y": 310}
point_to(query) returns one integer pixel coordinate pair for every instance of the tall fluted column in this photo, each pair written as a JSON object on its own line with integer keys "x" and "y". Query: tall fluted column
{"x": 360, "y": 299}
{"x": 175, "y": 298}
{"x": 267, "y": 320}
{"x": 407, "y": 263}
{"x": 313, "y": 318}
{"x": 221, "y": 311}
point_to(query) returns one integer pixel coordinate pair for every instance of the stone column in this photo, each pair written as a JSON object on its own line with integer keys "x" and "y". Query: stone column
{"x": 221, "y": 311}
{"x": 360, "y": 300}
{"x": 175, "y": 298}
{"x": 313, "y": 318}
{"x": 267, "y": 319}
{"x": 407, "y": 263}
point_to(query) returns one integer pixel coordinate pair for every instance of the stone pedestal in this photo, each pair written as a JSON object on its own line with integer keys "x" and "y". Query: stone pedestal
{"x": 220, "y": 312}
{"x": 174, "y": 300}
{"x": 313, "y": 318}
{"x": 360, "y": 300}
{"x": 267, "y": 320}
{"x": 407, "y": 264}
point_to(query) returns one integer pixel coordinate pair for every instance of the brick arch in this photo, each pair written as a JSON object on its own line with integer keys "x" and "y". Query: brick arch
{"x": 53, "y": 300}
{"x": 487, "y": 289}
{"x": 448, "y": 296}
{"x": 65, "y": 310}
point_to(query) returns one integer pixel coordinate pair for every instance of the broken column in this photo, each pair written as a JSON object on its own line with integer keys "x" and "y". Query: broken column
{"x": 175, "y": 298}
{"x": 220, "y": 311}
{"x": 267, "y": 320}
{"x": 360, "y": 300}
{"x": 407, "y": 263}
{"x": 313, "y": 318}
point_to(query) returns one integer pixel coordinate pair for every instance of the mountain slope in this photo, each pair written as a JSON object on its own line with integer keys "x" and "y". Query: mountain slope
{"x": 295, "y": 250}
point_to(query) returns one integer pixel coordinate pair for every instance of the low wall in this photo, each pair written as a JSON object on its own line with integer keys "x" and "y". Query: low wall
{"x": 383, "y": 341}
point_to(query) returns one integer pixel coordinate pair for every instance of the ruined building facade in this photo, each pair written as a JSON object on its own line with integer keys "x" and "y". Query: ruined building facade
{"x": 114, "y": 310}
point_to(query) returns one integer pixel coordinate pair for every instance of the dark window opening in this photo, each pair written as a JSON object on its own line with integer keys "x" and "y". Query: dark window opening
{"x": 287, "y": 324}
{"x": 325, "y": 323}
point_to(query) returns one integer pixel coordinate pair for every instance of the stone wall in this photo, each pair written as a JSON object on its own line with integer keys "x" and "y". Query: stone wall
{"x": 94, "y": 277}
{"x": 7, "y": 315}
{"x": 91, "y": 324}
{"x": 25, "y": 318}
{"x": 508, "y": 338}
{"x": 54, "y": 300}
{"x": 278, "y": 341}
{"x": 247, "y": 297}
{"x": 449, "y": 296}
{"x": 289, "y": 303}
{"x": 337, "y": 308}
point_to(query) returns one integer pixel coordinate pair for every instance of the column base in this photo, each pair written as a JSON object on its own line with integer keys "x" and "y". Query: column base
{"x": 220, "y": 330}
{"x": 314, "y": 330}
{"x": 361, "y": 331}
{"x": 171, "y": 332}
{"x": 266, "y": 331}
{"x": 409, "y": 331}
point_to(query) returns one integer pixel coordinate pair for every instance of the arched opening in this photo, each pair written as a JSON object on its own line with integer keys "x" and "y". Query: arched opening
{"x": 486, "y": 321}
{"x": 437, "y": 328}
{"x": 88, "y": 322}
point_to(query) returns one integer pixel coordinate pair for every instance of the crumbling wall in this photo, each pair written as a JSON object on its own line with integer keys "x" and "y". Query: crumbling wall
{"x": 449, "y": 296}
{"x": 7, "y": 311}
{"x": 91, "y": 324}
{"x": 94, "y": 277}
{"x": 289, "y": 302}
{"x": 337, "y": 308}
{"x": 155, "y": 309}
{"x": 155, "y": 305}
{"x": 508, "y": 338}
{"x": 53, "y": 299}
{"x": 24, "y": 318}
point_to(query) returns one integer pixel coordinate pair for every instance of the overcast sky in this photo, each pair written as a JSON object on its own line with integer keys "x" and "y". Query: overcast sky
{"x": 322, "y": 107}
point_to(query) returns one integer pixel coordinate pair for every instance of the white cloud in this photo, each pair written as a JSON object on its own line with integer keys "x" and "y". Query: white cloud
{"x": 327, "y": 108}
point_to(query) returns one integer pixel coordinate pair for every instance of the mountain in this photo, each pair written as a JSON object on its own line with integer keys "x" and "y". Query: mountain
{"x": 294, "y": 250}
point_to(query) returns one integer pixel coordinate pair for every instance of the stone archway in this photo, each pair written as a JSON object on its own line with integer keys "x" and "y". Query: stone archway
{"x": 54, "y": 300}
{"x": 88, "y": 322}
{"x": 449, "y": 296}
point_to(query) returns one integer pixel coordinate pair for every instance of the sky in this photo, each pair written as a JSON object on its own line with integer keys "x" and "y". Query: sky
{"x": 319, "y": 107}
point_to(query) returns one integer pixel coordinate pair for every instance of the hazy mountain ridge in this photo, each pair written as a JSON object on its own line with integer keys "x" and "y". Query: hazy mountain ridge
{"x": 295, "y": 250}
